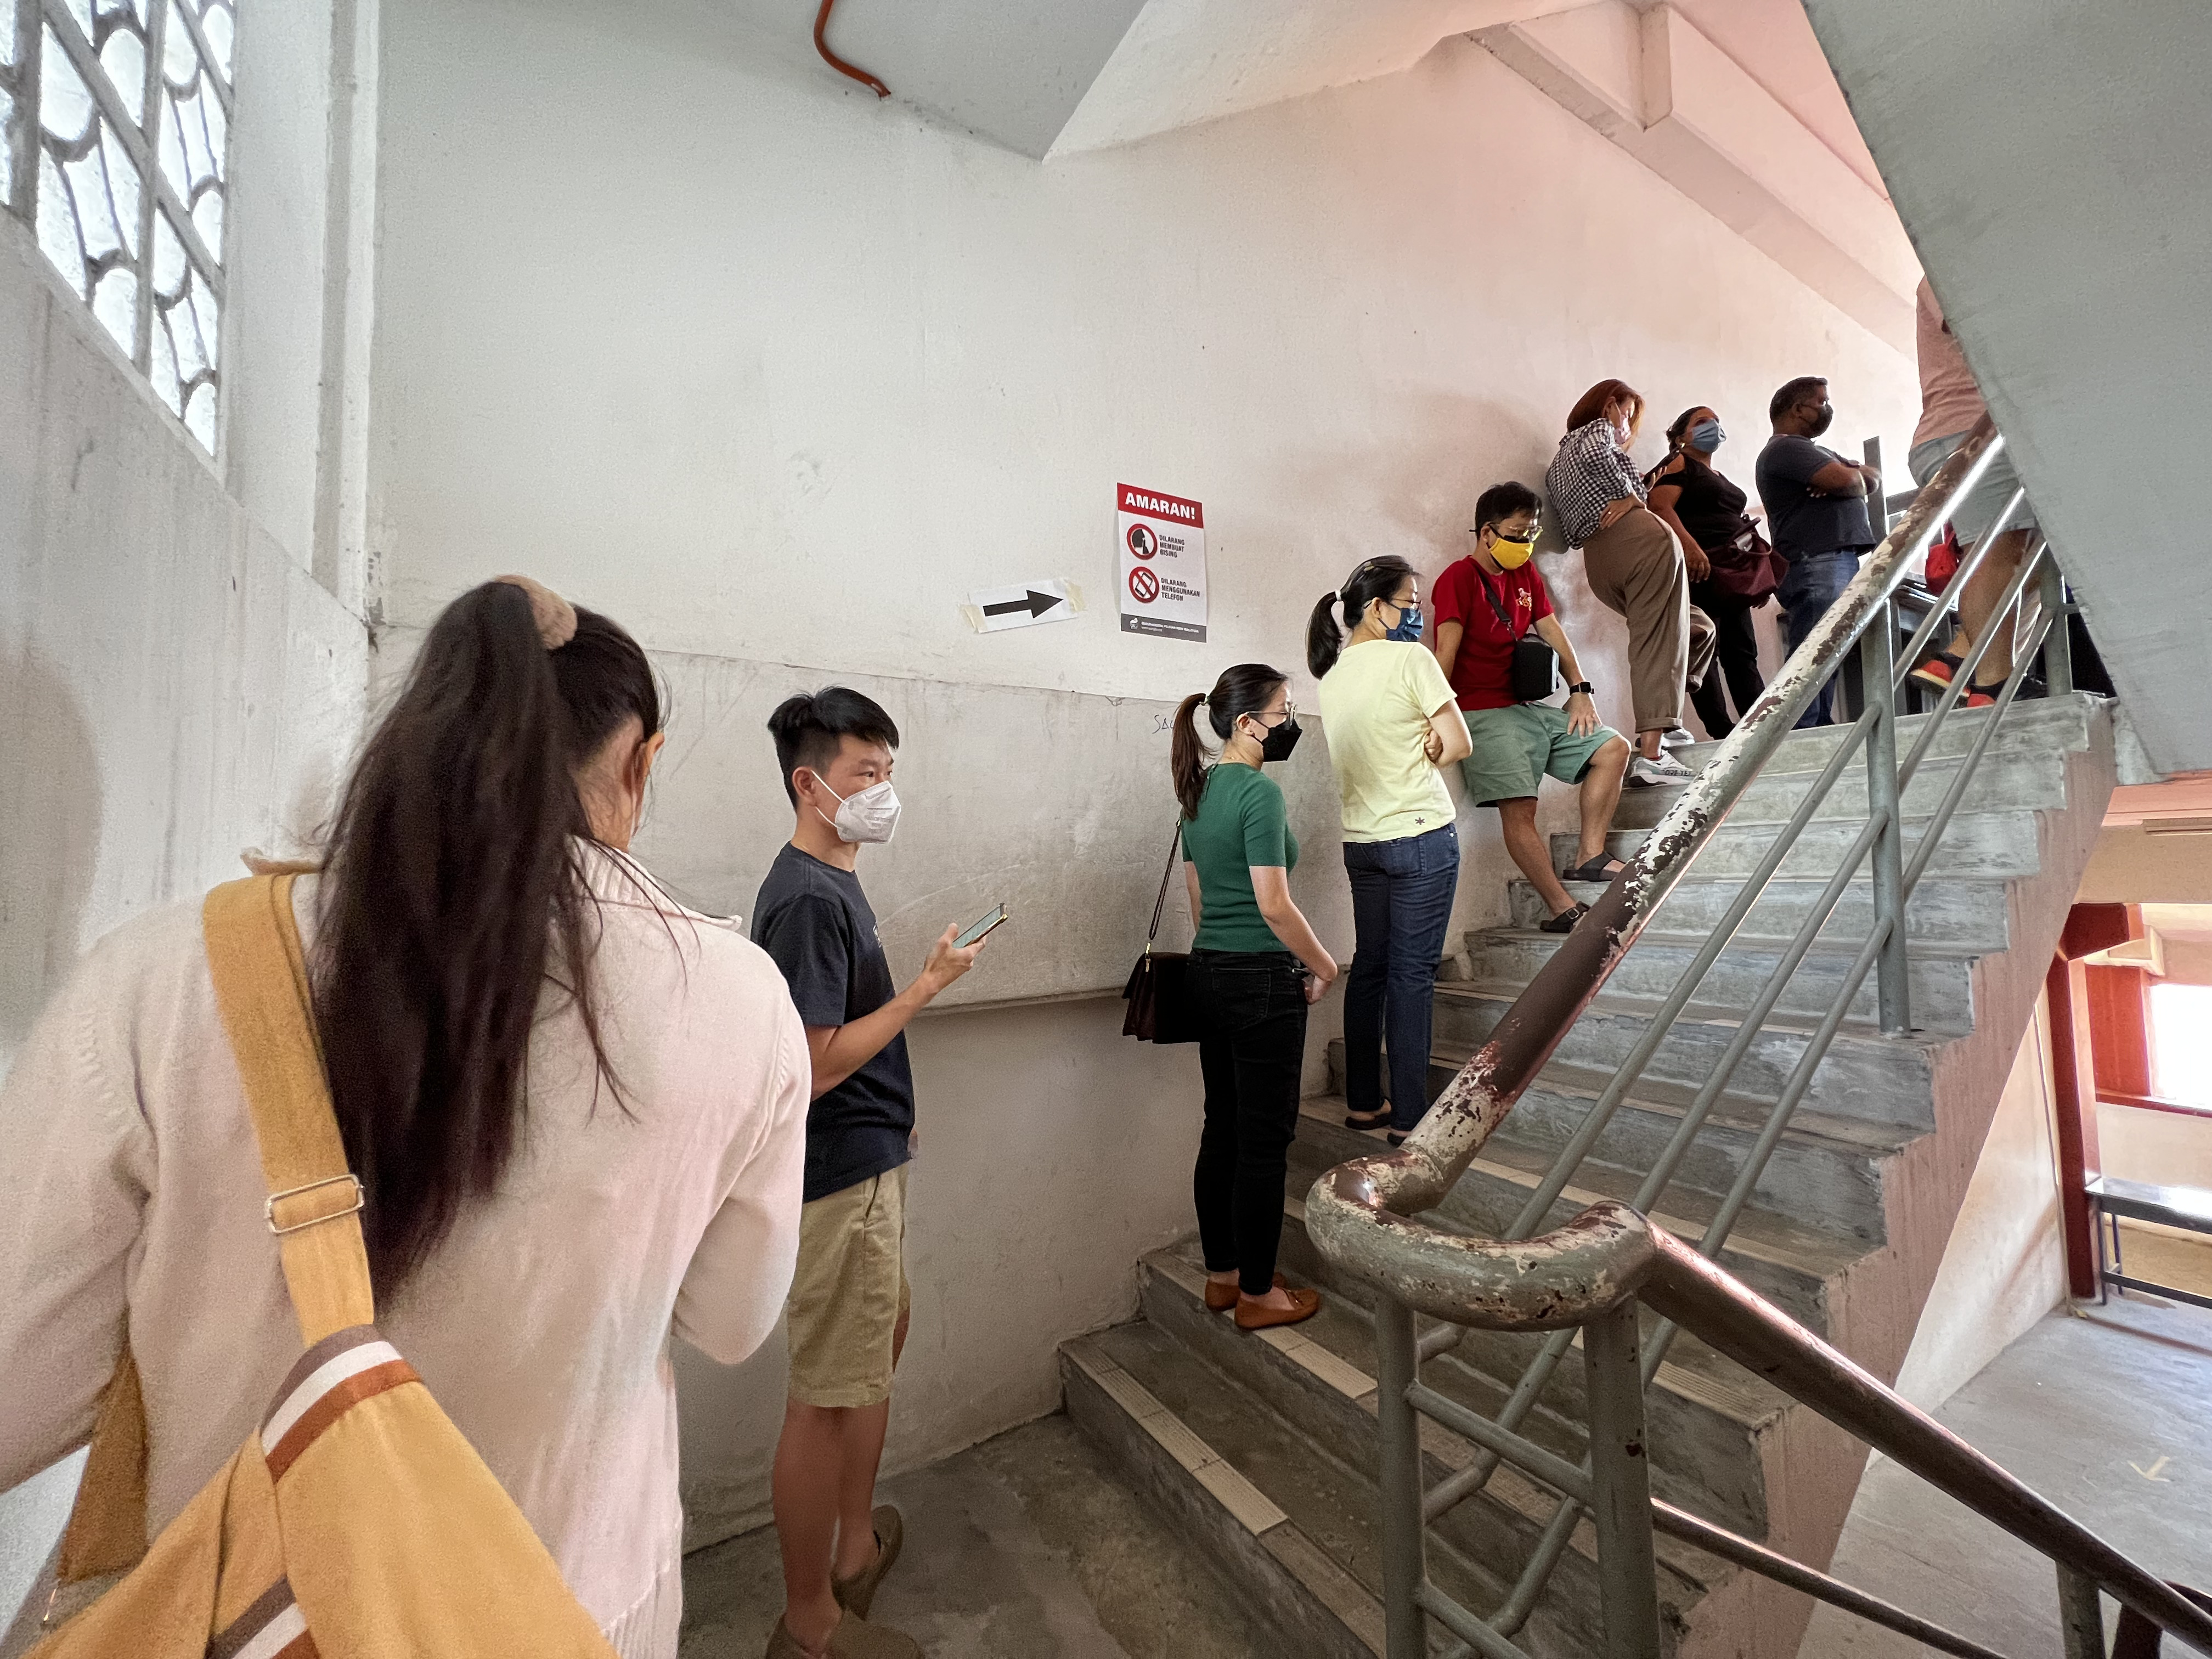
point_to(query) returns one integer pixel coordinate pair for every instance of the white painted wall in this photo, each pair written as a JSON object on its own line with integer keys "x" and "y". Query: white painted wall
{"x": 174, "y": 685}
{"x": 775, "y": 376}
{"x": 2005, "y": 1267}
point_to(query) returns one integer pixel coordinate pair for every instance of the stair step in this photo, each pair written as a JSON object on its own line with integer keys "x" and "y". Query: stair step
{"x": 1864, "y": 1075}
{"x": 1306, "y": 1600}
{"x": 1954, "y": 912}
{"x": 2033, "y": 778}
{"x": 2042, "y": 723}
{"x": 1940, "y": 974}
{"x": 1787, "y": 1261}
{"x": 1241, "y": 1426}
{"x": 1826, "y": 1171}
{"x": 1708, "y": 1417}
{"x": 1996, "y": 845}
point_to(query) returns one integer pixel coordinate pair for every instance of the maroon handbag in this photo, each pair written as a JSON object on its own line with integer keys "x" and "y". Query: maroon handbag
{"x": 1748, "y": 567}
{"x": 1158, "y": 991}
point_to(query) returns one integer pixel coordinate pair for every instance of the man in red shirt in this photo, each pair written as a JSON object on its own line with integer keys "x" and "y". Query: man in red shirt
{"x": 1485, "y": 602}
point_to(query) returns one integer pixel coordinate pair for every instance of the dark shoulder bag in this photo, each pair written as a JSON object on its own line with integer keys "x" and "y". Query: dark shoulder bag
{"x": 1157, "y": 994}
{"x": 1536, "y": 673}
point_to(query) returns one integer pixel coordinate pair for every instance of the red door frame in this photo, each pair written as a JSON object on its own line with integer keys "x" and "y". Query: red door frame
{"x": 2100, "y": 1045}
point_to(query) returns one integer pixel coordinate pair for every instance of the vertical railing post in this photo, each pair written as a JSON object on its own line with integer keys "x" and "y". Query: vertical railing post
{"x": 2058, "y": 642}
{"x": 1893, "y": 969}
{"x": 1621, "y": 1484}
{"x": 1404, "y": 1564}
{"x": 2080, "y": 1616}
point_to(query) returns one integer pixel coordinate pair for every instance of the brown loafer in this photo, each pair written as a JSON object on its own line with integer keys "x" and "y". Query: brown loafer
{"x": 1304, "y": 1305}
{"x": 857, "y": 1594}
{"x": 1220, "y": 1298}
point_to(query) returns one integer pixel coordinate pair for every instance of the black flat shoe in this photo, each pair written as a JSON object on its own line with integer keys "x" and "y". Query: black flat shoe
{"x": 1377, "y": 1121}
{"x": 1565, "y": 922}
{"x": 1396, "y": 1139}
{"x": 1604, "y": 868}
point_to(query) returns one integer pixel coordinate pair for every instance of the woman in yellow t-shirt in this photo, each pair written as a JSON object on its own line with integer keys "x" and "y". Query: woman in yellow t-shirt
{"x": 1392, "y": 723}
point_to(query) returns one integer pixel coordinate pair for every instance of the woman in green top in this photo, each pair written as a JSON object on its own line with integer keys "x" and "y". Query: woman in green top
{"x": 1254, "y": 966}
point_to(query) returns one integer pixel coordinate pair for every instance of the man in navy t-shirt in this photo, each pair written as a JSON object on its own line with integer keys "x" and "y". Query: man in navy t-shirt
{"x": 847, "y": 1315}
{"x": 1816, "y": 512}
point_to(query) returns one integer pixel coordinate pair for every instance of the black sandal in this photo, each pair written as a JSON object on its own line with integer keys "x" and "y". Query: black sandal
{"x": 1594, "y": 869}
{"x": 1395, "y": 1139}
{"x": 1565, "y": 922}
{"x": 1379, "y": 1119}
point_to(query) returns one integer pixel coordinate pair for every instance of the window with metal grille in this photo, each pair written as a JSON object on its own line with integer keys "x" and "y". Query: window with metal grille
{"x": 117, "y": 117}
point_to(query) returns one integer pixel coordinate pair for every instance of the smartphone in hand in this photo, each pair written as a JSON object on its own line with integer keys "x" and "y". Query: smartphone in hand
{"x": 981, "y": 928}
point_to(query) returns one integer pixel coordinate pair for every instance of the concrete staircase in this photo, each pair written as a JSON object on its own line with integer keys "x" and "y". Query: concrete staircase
{"x": 1263, "y": 1448}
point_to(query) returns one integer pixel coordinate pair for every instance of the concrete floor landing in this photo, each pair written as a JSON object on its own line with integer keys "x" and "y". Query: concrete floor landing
{"x": 2103, "y": 1410}
{"x": 1027, "y": 1547}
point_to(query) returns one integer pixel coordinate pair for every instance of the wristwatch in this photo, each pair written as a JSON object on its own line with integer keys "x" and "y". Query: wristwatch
{"x": 1582, "y": 686}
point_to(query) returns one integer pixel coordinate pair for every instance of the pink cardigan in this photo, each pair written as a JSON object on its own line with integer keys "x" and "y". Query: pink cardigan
{"x": 134, "y": 1195}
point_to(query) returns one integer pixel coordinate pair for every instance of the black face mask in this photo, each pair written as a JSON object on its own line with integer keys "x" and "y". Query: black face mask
{"x": 1279, "y": 741}
{"x": 1827, "y": 415}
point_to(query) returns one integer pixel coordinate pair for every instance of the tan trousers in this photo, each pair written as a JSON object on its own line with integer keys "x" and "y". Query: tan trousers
{"x": 1635, "y": 569}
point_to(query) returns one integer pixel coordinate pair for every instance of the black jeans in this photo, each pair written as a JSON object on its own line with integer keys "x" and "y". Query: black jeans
{"x": 1251, "y": 1006}
{"x": 1736, "y": 654}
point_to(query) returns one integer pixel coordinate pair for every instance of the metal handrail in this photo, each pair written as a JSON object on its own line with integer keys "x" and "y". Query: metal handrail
{"x": 1356, "y": 1212}
{"x": 1572, "y": 1277}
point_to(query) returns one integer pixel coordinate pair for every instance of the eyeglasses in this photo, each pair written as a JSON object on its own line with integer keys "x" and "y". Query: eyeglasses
{"x": 1289, "y": 711}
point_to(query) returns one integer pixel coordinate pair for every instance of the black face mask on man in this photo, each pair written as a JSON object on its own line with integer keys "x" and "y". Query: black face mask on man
{"x": 1823, "y": 420}
{"x": 1279, "y": 741}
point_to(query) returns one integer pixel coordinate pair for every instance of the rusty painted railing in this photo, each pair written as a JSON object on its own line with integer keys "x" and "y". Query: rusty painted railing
{"x": 1587, "y": 1275}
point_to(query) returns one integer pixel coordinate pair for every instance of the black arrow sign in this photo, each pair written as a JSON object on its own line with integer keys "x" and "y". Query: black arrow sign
{"x": 1037, "y": 605}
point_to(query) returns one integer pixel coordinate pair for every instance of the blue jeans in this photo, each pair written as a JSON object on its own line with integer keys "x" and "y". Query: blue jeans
{"x": 1816, "y": 582}
{"x": 1401, "y": 901}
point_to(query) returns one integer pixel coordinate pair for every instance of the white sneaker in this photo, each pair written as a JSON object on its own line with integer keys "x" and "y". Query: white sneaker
{"x": 1676, "y": 737}
{"x": 1644, "y": 773}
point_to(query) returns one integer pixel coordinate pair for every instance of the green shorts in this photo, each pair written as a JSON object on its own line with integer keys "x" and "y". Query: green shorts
{"x": 1515, "y": 748}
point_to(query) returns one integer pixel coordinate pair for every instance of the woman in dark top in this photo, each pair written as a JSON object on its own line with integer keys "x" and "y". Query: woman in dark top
{"x": 1706, "y": 512}
{"x": 1254, "y": 966}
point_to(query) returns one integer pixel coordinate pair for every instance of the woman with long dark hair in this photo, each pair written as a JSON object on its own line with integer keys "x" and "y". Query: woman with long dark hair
{"x": 1254, "y": 966}
{"x": 576, "y": 1111}
{"x": 1392, "y": 723}
{"x": 1634, "y": 567}
{"x": 1706, "y": 510}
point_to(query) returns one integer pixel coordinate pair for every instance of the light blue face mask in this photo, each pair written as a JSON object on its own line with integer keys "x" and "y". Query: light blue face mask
{"x": 1408, "y": 630}
{"x": 1706, "y": 436}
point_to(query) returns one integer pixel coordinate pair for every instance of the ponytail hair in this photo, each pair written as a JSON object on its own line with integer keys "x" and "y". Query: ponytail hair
{"x": 1375, "y": 578}
{"x": 1243, "y": 690}
{"x": 455, "y": 891}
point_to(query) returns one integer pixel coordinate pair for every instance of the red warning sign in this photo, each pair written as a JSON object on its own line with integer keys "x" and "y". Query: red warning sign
{"x": 1163, "y": 562}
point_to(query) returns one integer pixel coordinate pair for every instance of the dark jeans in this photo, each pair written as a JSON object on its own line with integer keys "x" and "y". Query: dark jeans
{"x": 1816, "y": 582}
{"x": 1401, "y": 901}
{"x": 1251, "y": 1006}
{"x": 1736, "y": 654}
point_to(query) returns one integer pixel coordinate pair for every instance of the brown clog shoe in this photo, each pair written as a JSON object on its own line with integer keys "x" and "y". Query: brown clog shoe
{"x": 1304, "y": 1305}
{"x": 1220, "y": 1298}
{"x": 857, "y": 1594}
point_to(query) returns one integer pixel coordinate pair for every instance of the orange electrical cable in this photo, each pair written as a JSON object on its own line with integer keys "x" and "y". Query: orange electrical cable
{"x": 820, "y": 21}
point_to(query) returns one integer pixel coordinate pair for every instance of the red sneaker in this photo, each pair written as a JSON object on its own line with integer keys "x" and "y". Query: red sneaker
{"x": 1938, "y": 671}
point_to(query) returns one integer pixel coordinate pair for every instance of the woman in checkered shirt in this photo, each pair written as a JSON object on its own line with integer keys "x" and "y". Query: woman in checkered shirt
{"x": 1634, "y": 566}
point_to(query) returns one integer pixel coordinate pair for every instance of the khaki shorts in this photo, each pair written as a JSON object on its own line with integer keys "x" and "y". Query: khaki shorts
{"x": 849, "y": 1292}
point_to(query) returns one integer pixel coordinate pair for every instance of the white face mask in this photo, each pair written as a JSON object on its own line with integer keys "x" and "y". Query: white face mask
{"x": 865, "y": 815}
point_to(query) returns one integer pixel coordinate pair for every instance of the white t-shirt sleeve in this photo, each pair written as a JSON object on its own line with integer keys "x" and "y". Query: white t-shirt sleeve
{"x": 733, "y": 1291}
{"x": 75, "y": 1162}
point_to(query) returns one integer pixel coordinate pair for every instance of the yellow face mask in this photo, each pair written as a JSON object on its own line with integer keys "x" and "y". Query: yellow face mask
{"x": 1511, "y": 555}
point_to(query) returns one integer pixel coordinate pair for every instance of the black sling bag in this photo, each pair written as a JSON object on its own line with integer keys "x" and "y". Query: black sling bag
{"x": 1536, "y": 673}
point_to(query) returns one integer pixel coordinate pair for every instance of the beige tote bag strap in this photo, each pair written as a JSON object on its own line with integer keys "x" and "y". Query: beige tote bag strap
{"x": 261, "y": 990}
